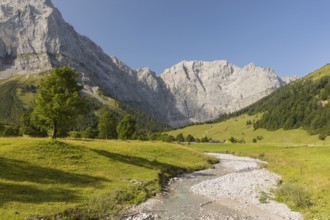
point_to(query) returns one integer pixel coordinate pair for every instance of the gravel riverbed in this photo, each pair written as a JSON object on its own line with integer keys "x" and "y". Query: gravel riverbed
{"x": 230, "y": 191}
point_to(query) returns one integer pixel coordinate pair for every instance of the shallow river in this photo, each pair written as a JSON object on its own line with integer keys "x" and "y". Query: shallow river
{"x": 181, "y": 203}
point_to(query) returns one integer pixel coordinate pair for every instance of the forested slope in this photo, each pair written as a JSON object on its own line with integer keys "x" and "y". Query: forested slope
{"x": 17, "y": 97}
{"x": 304, "y": 103}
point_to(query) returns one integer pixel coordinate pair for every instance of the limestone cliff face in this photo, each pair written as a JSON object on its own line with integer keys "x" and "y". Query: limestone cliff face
{"x": 204, "y": 90}
{"x": 35, "y": 38}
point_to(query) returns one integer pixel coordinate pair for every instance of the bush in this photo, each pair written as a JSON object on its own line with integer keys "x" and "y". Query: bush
{"x": 75, "y": 134}
{"x": 180, "y": 138}
{"x": 322, "y": 137}
{"x": 263, "y": 197}
{"x": 11, "y": 132}
{"x": 261, "y": 156}
{"x": 294, "y": 195}
{"x": 232, "y": 140}
{"x": 205, "y": 139}
{"x": 89, "y": 133}
{"x": 2, "y": 128}
{"x": 190, "y": 138}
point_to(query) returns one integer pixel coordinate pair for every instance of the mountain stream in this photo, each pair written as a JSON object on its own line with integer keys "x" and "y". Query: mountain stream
{"x": 232, "y": 190}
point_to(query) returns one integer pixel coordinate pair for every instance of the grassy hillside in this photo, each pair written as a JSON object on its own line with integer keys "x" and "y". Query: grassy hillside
{"x": 17, "y": 96}
{"x": 239, "y": 128}
{"x": 304, "y": 103}
{"x": 304, "y": 169}
{"x": 43, "y": 178}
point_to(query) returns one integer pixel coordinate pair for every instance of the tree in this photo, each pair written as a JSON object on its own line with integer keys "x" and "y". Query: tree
{"x": 126, "y": 128}
{"x": 89, "y": 133}
{"x": 190, "y": 138}
{"x": 58, "y": 101}
{"x": 179, "y": 138}
{"x": 205, "y": 139}
{"x": 2, "y": 128}
{"x": 107, "y": 126}
{"x": 29, "y": 127}
{"x": 11, "y": 131}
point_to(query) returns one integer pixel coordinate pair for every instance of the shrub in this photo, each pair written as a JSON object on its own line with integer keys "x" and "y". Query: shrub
{"x": 89, "y": 133}
{"x": 205, "y": 139}
{"x": 294, "y": 195}
{"x": 75, "y": 134}
{"x": 261, "y": 156}
{"x": 11, "y": 132}
{"x": 322, "y": 137}
{"x": 190, "y": 138}
{"x": 232, "y": 140}
{"x": 263, "y": 197}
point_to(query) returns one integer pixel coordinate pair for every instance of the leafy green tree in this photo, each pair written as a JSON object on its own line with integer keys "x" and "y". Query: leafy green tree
{"x": 58, "y": 101}
{"x": 11, "y": 131}
{"x": 190, "y": 138}
{"x": 169, "y": 139}
{"x": 107, "y": 126}
{"x": 2, "y": 128}
{"x": 29, "y": 128}
{"x": 75, "y": 134}
{"x": 89, "y": 133}
{"x": 205, "y": 139}
{"x": 126, "y": 128}
{"x": 180, "y": 138}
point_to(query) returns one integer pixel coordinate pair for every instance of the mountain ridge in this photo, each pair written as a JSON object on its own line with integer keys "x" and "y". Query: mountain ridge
{"x": 34, "y": 37}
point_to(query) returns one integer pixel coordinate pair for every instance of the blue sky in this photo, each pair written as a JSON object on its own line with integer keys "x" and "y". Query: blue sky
{"x": 290, "y": 36}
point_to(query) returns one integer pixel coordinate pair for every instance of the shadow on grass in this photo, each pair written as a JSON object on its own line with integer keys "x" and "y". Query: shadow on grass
{"x": 22, "y": 171}
{"x": 29, "y": 194}
{"x": 137, "y": 161}
{"x": 166, "y": 170}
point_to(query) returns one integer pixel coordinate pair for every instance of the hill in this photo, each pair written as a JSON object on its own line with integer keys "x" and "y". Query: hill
{"x": 18, "y": 93}
{"x": 85, "y": 179}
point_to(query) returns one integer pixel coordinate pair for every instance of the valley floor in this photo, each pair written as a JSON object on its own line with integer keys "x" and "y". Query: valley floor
{"x": 86, "y": 179}
{"x": 235, "y": 189}
{"x": 304, "y": 171}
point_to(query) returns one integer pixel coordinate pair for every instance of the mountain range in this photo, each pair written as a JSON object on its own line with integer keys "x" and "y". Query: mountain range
{"x": 34, "y": 38}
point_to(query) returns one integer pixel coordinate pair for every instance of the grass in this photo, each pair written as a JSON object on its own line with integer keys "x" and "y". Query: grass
{"x": 304, "y": 169}
{"x": 85, "y": 178}
{"x": 237, "y": 127}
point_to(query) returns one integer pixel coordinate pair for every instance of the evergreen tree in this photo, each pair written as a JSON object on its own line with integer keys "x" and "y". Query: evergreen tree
{"x": 190, "y": 138}
{"x": 126, "y": 128}
{"x": 180, "y": 138}
{"x": 107, "y": 126}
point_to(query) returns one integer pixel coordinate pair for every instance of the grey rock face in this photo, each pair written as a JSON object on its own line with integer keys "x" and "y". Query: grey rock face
{"x": 35, "y": 38}
{"x": 204, "y": 90}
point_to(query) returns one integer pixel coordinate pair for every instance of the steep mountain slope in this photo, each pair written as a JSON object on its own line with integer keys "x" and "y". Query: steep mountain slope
{"x": 285, "y": 116}
{"x": 35, "y": 38}
{"x": 205, "y": 90}
{"x": 304, "y": 103}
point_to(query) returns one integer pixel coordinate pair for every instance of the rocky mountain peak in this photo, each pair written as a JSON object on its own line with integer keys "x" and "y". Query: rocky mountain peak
{"x": 35, "y": 38}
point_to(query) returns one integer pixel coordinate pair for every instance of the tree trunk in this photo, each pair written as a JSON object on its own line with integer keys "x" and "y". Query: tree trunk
{"x": 54, "y": 130}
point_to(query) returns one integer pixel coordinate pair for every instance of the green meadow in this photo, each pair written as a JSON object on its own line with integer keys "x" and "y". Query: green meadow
{"x": 303, "y": 168}
{"x": 303, "y": 160}
{"x": 240, "y": 129}
{"x": 86, "y": 178}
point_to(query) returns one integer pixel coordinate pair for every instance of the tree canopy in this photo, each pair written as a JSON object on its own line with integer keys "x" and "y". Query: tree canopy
{"x": 107, "y": 126}
{"x": 58, "y": 99}
{"x": 126, "y": 128}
